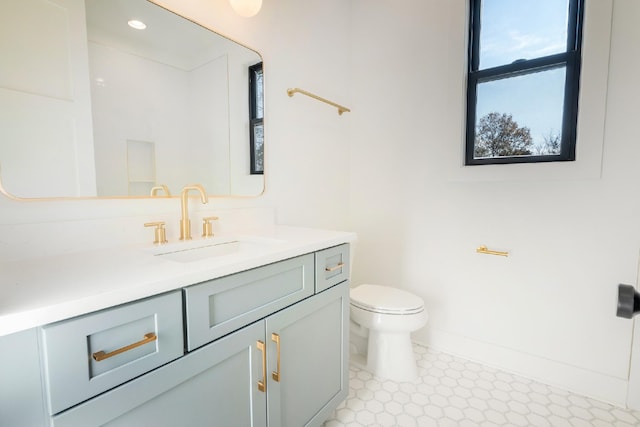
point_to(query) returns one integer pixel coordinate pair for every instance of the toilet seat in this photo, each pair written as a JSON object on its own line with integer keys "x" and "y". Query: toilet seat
{"x": 385, "y": 300}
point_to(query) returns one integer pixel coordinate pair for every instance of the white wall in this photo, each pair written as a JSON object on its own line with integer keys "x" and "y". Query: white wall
{"x": 548, "y": 310}
{"x": 48, "y": 85}
{"x": 128, "y": 105}
{"x": 208, "y": 127}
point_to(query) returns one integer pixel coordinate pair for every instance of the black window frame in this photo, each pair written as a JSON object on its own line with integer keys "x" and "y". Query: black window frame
{"x": 571, "y": 59}
{"x": 256, "y": 159}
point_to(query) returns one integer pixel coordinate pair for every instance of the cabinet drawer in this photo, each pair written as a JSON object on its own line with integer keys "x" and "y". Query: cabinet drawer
{"x": 218, "y": 307}
{"x": 215, "y": 385}
{"x": 87, "y": 355}
{"x": 332, "y": 266}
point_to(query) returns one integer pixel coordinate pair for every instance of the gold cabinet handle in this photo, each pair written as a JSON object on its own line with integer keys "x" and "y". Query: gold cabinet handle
{"x": 276, "y": 374}
{"x": 101, "y": 355}
{"x": 335, "y": 267}
{"x": 262, "y": 385}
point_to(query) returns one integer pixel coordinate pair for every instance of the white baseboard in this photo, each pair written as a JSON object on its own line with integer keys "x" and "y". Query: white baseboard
{"x": 592, "y": 384}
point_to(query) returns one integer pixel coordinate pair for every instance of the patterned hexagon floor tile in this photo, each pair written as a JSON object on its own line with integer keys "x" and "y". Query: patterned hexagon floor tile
{"x": 453, "y": 392}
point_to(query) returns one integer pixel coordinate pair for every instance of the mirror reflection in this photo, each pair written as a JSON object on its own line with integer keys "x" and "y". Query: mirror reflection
{"x": 90, "y": 105}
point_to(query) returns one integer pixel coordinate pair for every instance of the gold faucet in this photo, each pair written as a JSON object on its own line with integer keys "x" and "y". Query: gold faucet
{"x": 185, "y": 222}
{"x": 154, "y": 190}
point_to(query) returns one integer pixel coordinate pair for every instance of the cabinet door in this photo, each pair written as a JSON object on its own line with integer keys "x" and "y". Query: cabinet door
{"x": 312, "y": 376}
{"x": 216, "y": 385}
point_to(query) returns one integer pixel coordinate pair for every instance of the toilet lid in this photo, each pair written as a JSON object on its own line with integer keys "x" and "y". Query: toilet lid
{"x": 384, "y": 299}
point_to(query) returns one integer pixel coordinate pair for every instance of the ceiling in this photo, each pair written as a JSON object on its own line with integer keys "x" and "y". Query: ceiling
{"x": 168, "y": 38}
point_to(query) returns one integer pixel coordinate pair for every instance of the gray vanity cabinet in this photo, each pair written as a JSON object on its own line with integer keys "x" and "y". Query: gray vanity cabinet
{"x": 212, "y": 386}
{"x": 224, "y": 382}
{"x": 266, "y": 347}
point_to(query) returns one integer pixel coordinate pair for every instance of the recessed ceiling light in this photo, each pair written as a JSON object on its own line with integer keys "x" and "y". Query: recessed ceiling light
{"x": 138, "y": 25}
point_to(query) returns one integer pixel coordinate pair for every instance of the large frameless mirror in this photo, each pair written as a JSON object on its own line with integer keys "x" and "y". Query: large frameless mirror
{"x": 91, "y": 106}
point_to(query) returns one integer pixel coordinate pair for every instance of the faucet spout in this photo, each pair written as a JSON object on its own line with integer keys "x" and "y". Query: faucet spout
{"x": 185, "y": 222}
{"x": 157, "y": 188}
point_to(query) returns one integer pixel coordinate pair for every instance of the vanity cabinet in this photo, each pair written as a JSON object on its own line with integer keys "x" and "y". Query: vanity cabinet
{"x": 301, "y": 378}
{"x": 264, "y": 347}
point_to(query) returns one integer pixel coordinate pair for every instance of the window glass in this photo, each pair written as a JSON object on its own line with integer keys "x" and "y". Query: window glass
{"x": 257, "y": 161}
{"x": 259, "y": 95}
{"x": 522, "y": 114}
{"x": 256, "y": 115}
{"x": 518, "y": 29}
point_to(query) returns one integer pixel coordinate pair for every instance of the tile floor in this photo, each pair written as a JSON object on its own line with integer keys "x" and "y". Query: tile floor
{"x": 454, "y": 392}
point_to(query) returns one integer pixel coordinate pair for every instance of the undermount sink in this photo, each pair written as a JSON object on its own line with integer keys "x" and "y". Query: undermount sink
{"x": 197, "y": 250}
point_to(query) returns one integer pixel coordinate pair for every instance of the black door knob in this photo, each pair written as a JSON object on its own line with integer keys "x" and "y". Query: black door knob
{"x": 628, "y": 301}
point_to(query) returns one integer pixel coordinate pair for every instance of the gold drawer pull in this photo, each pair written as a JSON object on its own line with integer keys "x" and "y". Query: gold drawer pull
{"x": 262, "y": 384}
{"x": 276, "y": 374}
{"x": 335, "y": 267}
{"x": 101, "y": 355}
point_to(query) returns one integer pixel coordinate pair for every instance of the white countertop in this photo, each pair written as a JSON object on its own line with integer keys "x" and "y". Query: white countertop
{"x": 39, "y": 291}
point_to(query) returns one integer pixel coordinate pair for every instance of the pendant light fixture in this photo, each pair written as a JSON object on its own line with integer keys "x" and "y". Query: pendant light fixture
{"x": 246, "y": 8}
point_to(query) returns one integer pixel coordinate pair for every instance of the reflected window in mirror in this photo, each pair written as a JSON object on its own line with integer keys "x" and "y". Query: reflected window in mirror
{"x": 256, "y": 114}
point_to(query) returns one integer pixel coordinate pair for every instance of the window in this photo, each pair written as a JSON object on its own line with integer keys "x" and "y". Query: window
{"x": 523, "y": 80}
{"x": 256, "y": 113}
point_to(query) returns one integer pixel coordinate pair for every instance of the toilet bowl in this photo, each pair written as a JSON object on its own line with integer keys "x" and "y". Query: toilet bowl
{"x": 384, "y": 318}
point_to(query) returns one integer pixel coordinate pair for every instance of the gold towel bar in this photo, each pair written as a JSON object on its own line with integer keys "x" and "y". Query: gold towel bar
{"x": 483, "y": 250}
{"x": 340, "y": 108}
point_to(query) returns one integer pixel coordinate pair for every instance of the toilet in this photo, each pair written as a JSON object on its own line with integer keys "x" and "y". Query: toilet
{"x": 382, "y": 319}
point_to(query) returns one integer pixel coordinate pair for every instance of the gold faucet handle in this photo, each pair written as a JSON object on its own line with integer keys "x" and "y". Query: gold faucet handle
{"x": 207, "y": 227}
{"x": 160, "y": 232}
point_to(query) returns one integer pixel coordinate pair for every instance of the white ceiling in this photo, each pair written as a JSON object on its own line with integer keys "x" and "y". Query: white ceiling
{"x": 168, "y": 38}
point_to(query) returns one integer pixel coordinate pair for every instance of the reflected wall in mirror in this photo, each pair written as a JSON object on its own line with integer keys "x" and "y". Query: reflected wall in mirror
{"x": 90, "y": 106}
